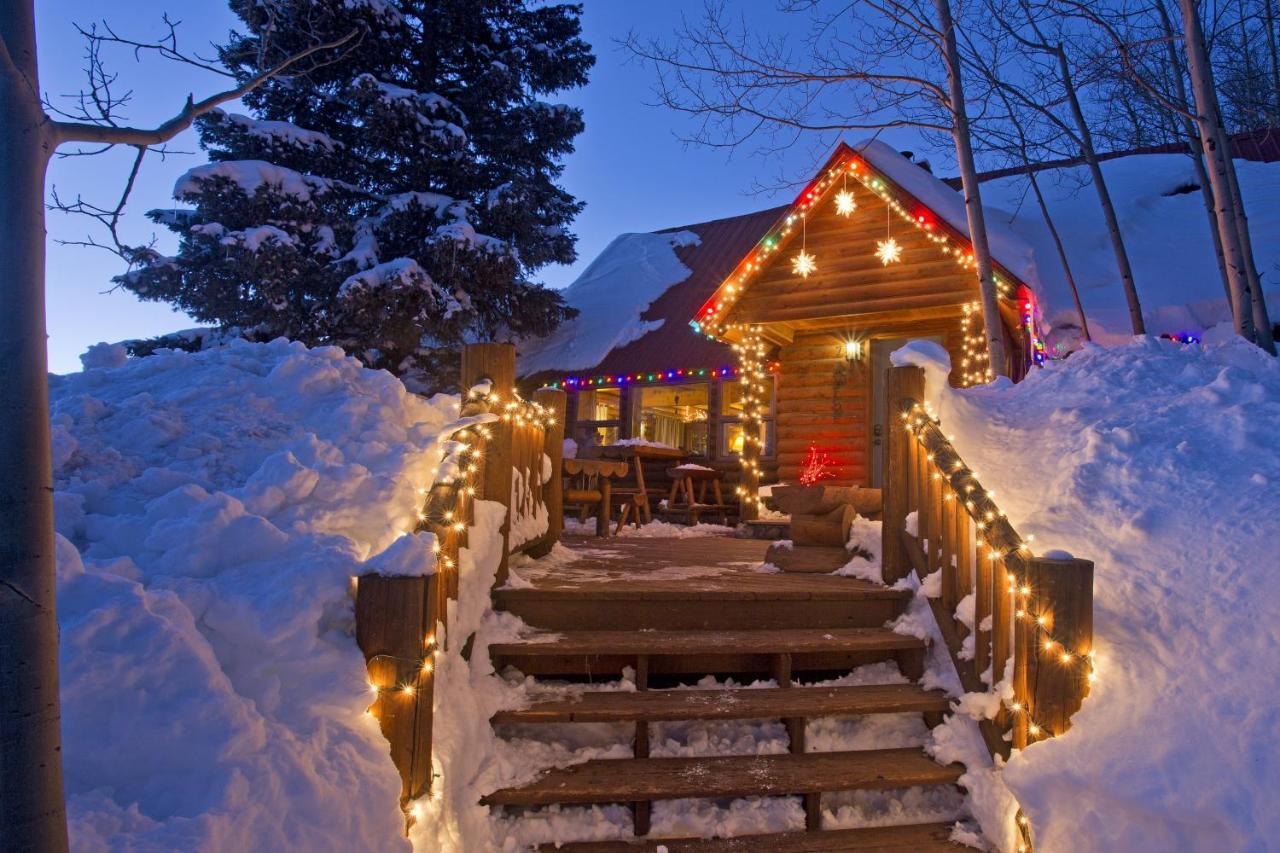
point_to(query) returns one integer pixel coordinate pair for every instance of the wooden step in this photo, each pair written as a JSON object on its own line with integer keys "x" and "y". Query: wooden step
{"x": 922, "y": 838}
{"x": 819, "y": 559}
{"x": 702, "y": 652}
{"x": 646, "y": 779}
{"x": 731, "y": 602}
{"x": 742, "y": 704}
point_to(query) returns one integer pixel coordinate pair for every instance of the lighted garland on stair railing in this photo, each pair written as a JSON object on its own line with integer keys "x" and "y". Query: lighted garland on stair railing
{"x": 979, "y": 504}
{"x": 446, "y": 513}
{"x": 1032, "y": 615}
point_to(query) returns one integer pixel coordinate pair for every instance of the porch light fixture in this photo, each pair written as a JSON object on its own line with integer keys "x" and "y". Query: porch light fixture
{"x": 853, "y": 350}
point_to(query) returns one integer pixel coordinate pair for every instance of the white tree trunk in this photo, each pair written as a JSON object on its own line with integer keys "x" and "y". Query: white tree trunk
{"x": 1062, "y": 250}
{"x": 1217, "y": 160}
{"x": 32, "y": 813}
{"x": 1257, "y": 299}
{"x": 993, "y": 325}
{"x": 1104, "y": 198}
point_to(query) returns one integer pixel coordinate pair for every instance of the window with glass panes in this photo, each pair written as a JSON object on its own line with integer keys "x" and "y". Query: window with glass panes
{"x": 674, "y": 415}
{"x": 732, "y": 404}
{"x": 599, "y": 416}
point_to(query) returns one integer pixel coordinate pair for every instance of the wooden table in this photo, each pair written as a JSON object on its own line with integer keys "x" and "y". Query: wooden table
{"x": 637, "y": 455}
{"x": 603, "y": 471}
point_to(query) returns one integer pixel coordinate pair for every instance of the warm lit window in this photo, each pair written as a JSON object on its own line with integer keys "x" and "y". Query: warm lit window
{"x": 674, "y": 415}
{"x": 733, "y": 403}
{"x": 599, "y": 416}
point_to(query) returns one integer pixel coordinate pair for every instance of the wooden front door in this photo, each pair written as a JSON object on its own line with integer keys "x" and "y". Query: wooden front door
{"x": 880, "y": 350}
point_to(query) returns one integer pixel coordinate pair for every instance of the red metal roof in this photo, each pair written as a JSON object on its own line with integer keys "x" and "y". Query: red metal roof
{"x": 674, "y": 345}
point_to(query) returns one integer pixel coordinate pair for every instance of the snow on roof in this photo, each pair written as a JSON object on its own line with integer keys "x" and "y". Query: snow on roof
{"x": 611, "y": 294}
{"x": 1008, "y": 247}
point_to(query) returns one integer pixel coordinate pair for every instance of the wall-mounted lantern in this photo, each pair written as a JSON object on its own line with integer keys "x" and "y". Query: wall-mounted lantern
{"x": 853, "y": 350}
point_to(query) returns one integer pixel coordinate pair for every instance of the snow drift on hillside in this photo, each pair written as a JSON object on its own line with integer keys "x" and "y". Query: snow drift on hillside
{"x": 1166, "y": 235}
{"x": 211, "y": 510}
{"x": 1160, "y": 463}
{"x": 611, "y": 294}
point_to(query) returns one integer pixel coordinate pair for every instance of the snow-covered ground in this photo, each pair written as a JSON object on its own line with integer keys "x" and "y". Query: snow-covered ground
{"x": 212, "y": 509}
{"x": 1166, "y": 236}
{"x": 1160, "y": 463}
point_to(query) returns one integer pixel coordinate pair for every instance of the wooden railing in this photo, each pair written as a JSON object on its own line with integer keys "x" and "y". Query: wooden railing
{"x": 509, "y": 452}
{"x": 1032, "y": 617}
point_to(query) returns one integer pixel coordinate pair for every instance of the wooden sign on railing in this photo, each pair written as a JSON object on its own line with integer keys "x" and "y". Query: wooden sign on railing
{"x": 1032, "y": 613}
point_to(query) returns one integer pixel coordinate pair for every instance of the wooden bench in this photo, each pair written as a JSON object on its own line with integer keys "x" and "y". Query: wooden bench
{"x": 685, "y": 480}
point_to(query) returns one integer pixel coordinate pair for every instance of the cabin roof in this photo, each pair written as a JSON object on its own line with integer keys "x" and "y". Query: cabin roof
{"x": 661, "y": 340}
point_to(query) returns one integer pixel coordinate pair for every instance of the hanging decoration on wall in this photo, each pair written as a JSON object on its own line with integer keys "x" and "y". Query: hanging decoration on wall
{"x": 803, "y": 264}
{"x": 846, "y": 204}
{"x": 815, "y": 467}
{"x": 888, "y": 250}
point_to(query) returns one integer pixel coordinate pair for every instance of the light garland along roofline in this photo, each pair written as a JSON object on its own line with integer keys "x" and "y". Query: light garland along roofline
{"x": 709, "y": 320}
{"x": 643, "y": 377}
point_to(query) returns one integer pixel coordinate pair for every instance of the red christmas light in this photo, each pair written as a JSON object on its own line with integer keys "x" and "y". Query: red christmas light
{"x": 816, "y": 467}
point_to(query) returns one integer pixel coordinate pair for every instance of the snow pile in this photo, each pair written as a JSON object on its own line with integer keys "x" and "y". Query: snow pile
{"x": 1159, "y": 462}
{"x": 611, "y": 294}
{"x": 1166, "y": 234}
{"x": 212, "y": 509}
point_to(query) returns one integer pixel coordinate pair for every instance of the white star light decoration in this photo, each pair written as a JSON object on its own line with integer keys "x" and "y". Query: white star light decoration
{"x": 845, "y": 203}
{"x": 888, "y": 251}
{"x": 802, "y": 264}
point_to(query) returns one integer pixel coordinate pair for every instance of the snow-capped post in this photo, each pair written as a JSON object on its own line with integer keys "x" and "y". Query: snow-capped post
{"x": 555, "y": 401}
{"x": 393, "y": 616}
{"x": 904, "y": 387}
{"x": 496, "y": 365}
{"x": 1058, "y": 666}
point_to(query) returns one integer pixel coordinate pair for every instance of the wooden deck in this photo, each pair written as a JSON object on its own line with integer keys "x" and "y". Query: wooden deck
{"x": 695, "y": 583}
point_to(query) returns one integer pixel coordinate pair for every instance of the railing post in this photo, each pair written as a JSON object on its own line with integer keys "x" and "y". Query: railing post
{"x": 554, "y": 401}
{"x": 495, "y": 363}
{"x": 1058, "y": 663}
{"x": 394, "y": 618}
{"x": 904, "y": 387}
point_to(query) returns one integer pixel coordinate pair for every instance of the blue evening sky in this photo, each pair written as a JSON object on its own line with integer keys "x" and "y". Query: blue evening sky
{"x": 630, "y": 166}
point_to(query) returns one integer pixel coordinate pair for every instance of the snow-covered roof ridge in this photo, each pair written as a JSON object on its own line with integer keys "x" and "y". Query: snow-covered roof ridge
{"x": 1008, "y": 248}
{"x": 611, "y": 295}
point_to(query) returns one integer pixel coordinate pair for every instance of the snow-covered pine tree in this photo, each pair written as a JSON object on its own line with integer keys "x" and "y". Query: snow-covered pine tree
{"x": 394, "y": 202}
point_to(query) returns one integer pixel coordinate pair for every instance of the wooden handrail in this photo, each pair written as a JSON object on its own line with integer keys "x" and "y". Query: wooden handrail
{"x": 1032, "y": 613}
{"x": 401, "y": 621}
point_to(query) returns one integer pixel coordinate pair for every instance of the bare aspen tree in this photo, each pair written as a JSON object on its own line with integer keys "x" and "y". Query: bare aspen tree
{"x": 1249, "y": 311}
{"x": 32, "y": 811}
{"x": 1022, "y": 23}
{"x": 843, "y": 81}
{"x": 1250, "y": 306}
{"x": 1012, "y": 139}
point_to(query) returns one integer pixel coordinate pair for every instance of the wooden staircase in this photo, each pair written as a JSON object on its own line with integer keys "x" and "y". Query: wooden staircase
{"x": 742, "y": 624}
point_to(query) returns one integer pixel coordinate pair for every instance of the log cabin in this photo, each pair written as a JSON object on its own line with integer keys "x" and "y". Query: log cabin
{"x": 761, "y": 339}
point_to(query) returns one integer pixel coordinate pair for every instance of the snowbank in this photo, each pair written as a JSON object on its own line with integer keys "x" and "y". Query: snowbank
{"x": 1159, "y": 462}
{"x": 212, "y": 509}
{"x": 611, "y": 294}
{"x": 1166, "y": 235}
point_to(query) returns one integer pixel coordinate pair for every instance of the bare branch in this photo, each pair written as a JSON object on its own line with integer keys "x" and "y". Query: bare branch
{"x": 66, "y": 131}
